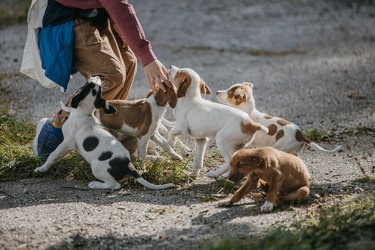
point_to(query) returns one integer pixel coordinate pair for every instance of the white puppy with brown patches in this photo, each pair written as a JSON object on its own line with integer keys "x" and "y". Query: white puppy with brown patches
{"x": 203, "y": 119}
{"x": 142, "y": 118}
{"x": 282, "y": 135}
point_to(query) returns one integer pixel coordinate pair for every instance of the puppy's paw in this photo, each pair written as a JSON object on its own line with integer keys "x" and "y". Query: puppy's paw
{"x": 176, "y": 157}
{"x": 266, "y": 207}
{"x": 40, "y": 170}
{"x": 194, "y": 173}
{"x": 101, "y": 185}
{"x": 224, "y": 203}
{"x": 213, "y": 174}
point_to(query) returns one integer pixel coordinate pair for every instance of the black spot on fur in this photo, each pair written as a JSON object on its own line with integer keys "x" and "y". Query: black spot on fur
{"x": 120, "y": 168}
{"x": 81, "y": 94}
{"x": 101, "y": 103}
{"x": 90, "y": 143}
{"x": 105, "y": 156}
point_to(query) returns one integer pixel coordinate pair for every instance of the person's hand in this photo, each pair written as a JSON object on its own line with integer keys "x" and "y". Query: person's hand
{"x": 156, "y": 73}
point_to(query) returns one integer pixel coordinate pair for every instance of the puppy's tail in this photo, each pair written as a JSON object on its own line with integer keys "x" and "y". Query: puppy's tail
{"x": 134, "y": 173}
{"x": 319, "y": 148}
{"x": 302, "y": 138}
{"x": 153, "y": 186}
{"x": 65, "y": 108}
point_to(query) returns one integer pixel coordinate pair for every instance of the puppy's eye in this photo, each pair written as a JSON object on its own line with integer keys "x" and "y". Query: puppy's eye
{"x": 93, "y": 92}
{"x": 239, "y": 164}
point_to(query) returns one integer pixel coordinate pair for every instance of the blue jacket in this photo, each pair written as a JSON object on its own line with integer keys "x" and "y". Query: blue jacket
{"x": 56, "y": 52}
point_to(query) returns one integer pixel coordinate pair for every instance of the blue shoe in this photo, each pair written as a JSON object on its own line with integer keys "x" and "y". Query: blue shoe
{"x": 47, "y": 138}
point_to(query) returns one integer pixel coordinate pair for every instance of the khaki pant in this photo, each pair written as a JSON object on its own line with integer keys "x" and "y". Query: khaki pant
{"x": 103, "y": 53}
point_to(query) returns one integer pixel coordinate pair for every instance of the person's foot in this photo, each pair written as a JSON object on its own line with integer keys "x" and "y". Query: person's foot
{"x": 47, "y": 138}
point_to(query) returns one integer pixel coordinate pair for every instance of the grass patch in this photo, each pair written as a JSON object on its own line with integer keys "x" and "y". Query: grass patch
{"x": 17, "y": 161}
{"x": 14, "y": 12}
{"x": 316, "y": 134}
{"x": 321, "y": 135}
{"x": 340, "y": 227}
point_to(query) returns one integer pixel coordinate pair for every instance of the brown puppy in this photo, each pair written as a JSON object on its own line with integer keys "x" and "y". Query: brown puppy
{"x": 286, "y": 175}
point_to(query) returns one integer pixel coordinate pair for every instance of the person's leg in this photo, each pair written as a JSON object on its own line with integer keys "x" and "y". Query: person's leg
{"x": 96, "y": 53}
{"x": 101, "y": 52}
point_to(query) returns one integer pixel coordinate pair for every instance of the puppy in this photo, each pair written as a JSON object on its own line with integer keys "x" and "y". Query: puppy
{"x": 286, "y": 175}
{"x": 202, "y": 119}
{"x": 108, "y": 158}
{"x": 142, "y": 118}
{"x": 282, "y": 135}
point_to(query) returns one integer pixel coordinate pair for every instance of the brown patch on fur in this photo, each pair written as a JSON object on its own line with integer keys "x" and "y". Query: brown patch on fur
{"x": 231, "y": 91}
{"x": 60, "y": 118}
{"x": 204, "y": 89}
{"x": 240, "y": 96}
{"x": 128, "y": 112}
{"x": 170, "y": 96}
{"x": 268, "y": 117}
{"x": 279, "y": 135}
{"x": 183, "y": 82}
{"x": 282, "y": 122}
{"x": 272, "y": 129}
{"x": 301, "y": 137}
{"x": 249, "y": 127}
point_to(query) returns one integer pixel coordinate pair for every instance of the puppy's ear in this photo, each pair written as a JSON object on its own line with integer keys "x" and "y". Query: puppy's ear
{"x": 183, "y": 82}
{"x": 248, "y": 84}
{"x": 101, "y": 103}
{"x": 240, "y": 96}
{"x": 109, "y": 109}
{"x": 172, "y": 96}
{"x": 204, "y": 89}
{"x": 78, "y": 97}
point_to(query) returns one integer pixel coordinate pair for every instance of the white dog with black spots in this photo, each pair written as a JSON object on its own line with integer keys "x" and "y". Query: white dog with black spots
{"x": 109, "y": 159}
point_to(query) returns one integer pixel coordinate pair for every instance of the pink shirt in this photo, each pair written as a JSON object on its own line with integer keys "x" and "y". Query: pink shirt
{"x": 123, "y": 15}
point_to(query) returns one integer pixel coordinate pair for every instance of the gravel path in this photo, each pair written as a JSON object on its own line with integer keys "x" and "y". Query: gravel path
{"x": 312, "y": 63}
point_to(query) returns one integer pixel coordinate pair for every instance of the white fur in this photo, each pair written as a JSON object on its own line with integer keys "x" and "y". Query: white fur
{"x": 266, "y": 207}
{"x": 80, "y": 125}
{"x": 203, "y": 119}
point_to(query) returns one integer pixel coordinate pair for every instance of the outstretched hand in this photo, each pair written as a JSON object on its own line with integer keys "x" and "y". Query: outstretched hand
{"x": 156, "y": 73}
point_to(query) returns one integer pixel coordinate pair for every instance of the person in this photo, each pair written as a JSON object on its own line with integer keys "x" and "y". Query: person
{"x": 107, "y": 41}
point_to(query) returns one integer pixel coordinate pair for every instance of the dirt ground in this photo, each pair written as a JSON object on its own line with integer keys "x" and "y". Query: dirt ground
{"x": 312, "y": 62}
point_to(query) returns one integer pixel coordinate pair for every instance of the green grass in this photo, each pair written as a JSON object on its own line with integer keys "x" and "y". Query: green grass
{"x": 14, "y": 13}
{"x": 316, "y": 134}
{"x": 339, "y": 227}
{"x": 17, "y": 160}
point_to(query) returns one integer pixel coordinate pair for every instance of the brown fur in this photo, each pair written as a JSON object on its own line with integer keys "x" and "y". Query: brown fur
{"x": 268, "y": 117}
{"x": 136, "y": 114}
{"x": 286, "y": 174}
{"x": 282, "y": 122}
{"x": 183, "y": 81}
{"x": 249, "y": 127}
{"x": 204, "y": 89}
{"x": 169, "y": 97}
{"x": 59, "y": 118}
{"x": 301, "y": 137}
{"x": 279, "y": 135}
{"x": 272, "y": 129}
